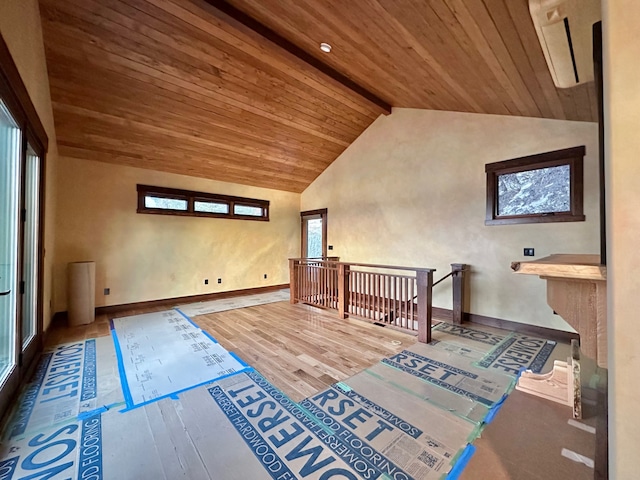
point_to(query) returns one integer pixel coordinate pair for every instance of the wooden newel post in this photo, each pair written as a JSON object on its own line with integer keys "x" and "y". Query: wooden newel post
{"x": 424, "y": 281}
{"x": 293, "y": 280}
{"x": 343, "y": 290}
{"x": 459, "y": 291}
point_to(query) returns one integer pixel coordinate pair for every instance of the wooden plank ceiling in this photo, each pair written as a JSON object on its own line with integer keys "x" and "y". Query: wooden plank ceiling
{"x": 180, "y": 86}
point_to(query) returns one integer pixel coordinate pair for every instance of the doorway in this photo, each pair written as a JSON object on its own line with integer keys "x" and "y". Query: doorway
{"x": 21, "y": 156}
{"x": 314, "y": 233}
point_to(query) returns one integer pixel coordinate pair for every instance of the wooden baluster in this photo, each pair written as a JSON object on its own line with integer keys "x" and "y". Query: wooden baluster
{"x": 293, "y": 284}
{"x": 424, "y": 280}
{"x": 369, "y": 295}
{"x": 343, "y": 299}
{"x": 403, "y": 302}
{"x": 358, "y": 293}
{"x": 376, "y": 286}
{"x": 412, "y": 307}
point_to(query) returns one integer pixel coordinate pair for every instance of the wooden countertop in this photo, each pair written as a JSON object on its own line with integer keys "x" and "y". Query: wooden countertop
{"x": 576, "y": 266}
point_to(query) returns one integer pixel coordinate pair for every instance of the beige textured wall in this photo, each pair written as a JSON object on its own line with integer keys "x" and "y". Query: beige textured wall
{"x": 148, "y": 257}
{"x": 22, "y": 31}
{"x": 622, "y": 144}
{"x": 411, "y": 191}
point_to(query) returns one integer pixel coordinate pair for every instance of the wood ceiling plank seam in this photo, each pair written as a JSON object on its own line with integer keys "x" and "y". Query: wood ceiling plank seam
{"x": 231, "y": 32}
{"x": 132, "y": 126}
{"x": 267, "y": 182}
{"x": 363, "y": 46}
{"x": 405, "y": 65}
{"x": 125, "y": 91}
{"x": 111, "y": 156}
{"x": 80, "y": 127}
{"x": 519, "y": 12}
{"x": 456, "y": 88}
{"x": 197, "y": 80}
{"x": 464, "y": 61}
{"x": 220, "y": 159}
{"x": 511, "y": 39}
{"x": 127, "y": 67}
{"x": 151, "y": 23}
{"x": 480, "y": 26}
{"x": 275, "y": 38}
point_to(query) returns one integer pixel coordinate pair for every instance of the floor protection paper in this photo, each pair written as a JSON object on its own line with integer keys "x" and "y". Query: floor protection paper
{"x": 502, "y": 352}
{"x": 222, "y": 305}
{"x": 516, "y": 352}
{"x": 483, "y": 340}
{"x": 414, "y": 437}
{"x": 445, "y": 399}
{"x": 451, "y": 372}
{"x": 71, "y": 379}
{"x": 164, "y": 440}
{"x": 163, "y": 353}
{"x": 303, "y": 441}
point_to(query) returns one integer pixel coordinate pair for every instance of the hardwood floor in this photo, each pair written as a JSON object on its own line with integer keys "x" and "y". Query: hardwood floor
{"x": 300, "y": 349}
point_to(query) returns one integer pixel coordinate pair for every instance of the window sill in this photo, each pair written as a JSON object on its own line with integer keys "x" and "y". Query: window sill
{"x": 535, "y": 219}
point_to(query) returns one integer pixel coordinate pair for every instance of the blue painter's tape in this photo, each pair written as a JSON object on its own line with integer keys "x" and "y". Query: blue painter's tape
{"x": 196, "y": 325}
{"x": 92, "y": 413}
{"x": 240, "y": 361}
{"x": 342, "y": 386}
{"x": 123, "y": 376}
{"x": 462, "y": 462}
{"x": 111, "y": 325}
{"x": 491, "y": 414}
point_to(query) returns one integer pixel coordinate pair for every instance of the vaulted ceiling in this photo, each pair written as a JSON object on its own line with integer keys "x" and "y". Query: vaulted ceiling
{"x": 183, "y": 87}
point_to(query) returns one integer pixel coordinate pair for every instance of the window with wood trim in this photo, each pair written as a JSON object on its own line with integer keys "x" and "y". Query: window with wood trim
{"x": 172, "y": 201}
{"x": 547, "y": 187}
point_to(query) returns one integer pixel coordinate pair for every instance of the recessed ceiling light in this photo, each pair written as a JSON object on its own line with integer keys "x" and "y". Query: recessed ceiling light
{"x": 325, "y": 47}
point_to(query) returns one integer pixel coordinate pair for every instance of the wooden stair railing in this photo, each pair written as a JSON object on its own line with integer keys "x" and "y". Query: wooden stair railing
{"x": 380, "y": 293}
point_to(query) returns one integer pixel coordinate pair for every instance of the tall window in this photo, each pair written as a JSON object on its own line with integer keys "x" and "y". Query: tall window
{"x": 10, "y": 146}
{"x": 23, "y": 143}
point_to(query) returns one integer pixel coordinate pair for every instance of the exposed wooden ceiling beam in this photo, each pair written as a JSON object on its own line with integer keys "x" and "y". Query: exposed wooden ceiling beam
{"x": 285, "y": 44}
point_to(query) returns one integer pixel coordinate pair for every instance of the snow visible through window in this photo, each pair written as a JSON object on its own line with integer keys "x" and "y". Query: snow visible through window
{"x": 165, "y": 203}
{"x": 544, "y": 190}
